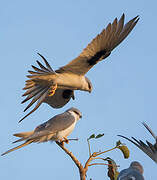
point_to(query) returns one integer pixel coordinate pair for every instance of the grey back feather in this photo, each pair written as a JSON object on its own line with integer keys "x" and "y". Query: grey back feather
{"x": 57, "y": 123}
{"x": 130, "y": 174}
{"x": 134, "y": 172}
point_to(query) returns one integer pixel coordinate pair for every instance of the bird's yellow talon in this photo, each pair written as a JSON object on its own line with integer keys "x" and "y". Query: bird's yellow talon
{"x": 66, "y": 140}
{"x": 52, "y": 90}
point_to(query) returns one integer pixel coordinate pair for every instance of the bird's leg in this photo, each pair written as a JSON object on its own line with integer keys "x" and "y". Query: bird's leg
{"x": 66, "y": 140}
{"x": 52, "y": 90}
{"x": 62, "y": 142}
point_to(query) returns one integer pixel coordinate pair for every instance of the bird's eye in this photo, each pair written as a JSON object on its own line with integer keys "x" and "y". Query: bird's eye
{"x": 76, "y": 112}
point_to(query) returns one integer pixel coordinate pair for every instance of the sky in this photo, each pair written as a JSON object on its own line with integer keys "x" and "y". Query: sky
{"x": 124, "y": 85}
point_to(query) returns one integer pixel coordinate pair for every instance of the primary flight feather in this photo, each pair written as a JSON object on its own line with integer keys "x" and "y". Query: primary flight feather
{"x": 148, "y": 148}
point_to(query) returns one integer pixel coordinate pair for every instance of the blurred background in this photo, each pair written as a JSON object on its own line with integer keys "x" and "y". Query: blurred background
{"x": 124, "y": 93}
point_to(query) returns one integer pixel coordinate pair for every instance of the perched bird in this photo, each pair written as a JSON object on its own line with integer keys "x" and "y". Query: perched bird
{"x": 134, "y": 172}
{"x": 149, "y": 149}
{"x": 46, "y": 85}
{"x": 55, "y": 129}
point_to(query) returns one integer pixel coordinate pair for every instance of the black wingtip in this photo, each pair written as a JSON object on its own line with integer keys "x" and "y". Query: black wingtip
{"x": 120, "y": 136}
{"x": 136, "y": 18}
{"x": 23, "y": 118}
{"x": 41, "y": 55}
{"x": 20, "y": 120}
{"x": 23, "y": 101}
{"x": 123, "y": 16}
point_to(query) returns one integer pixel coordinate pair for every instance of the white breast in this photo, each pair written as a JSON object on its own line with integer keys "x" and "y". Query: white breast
{"x": 66, "y": 132}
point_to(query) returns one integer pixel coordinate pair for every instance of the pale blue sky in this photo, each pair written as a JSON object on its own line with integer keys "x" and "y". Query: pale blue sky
{"x": 124, "y": 94}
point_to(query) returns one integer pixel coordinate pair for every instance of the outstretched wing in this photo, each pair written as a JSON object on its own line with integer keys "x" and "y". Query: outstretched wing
{"x": 149, "y": 149}
{"x": 100, "y": 47}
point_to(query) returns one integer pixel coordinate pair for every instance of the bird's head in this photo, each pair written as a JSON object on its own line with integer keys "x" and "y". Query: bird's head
{"x": 89, "y": 86}
{"x": 137, "y": 166}
{"x": 76, "y": 112}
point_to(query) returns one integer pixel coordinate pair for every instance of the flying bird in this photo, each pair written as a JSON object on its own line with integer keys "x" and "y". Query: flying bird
{"x": 46, "y": 85}
{"x": 134, "y": 172}
{"x": 55, "y": 129}
{"x": 149, "y": 149}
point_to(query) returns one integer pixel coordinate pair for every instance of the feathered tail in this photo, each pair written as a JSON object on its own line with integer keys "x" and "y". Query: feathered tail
{"x": 37, "y": 86}
{"x": 24, "y": 136}
{"x": 18, "y": 147}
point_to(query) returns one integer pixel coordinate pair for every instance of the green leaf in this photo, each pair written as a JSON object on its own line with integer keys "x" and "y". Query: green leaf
{"x": 99, "y": 136}
{"x": 92, "y": 136}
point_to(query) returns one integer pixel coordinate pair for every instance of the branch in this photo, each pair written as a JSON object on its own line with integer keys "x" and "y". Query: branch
{"x": 94, "y": 156}
{"x": 97, "y": 154}
{"x": 89, "y": 147}
{"x": 91, "y": 157}
{"x": 99, "y": 164}
{"x": 75, "y": 160}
